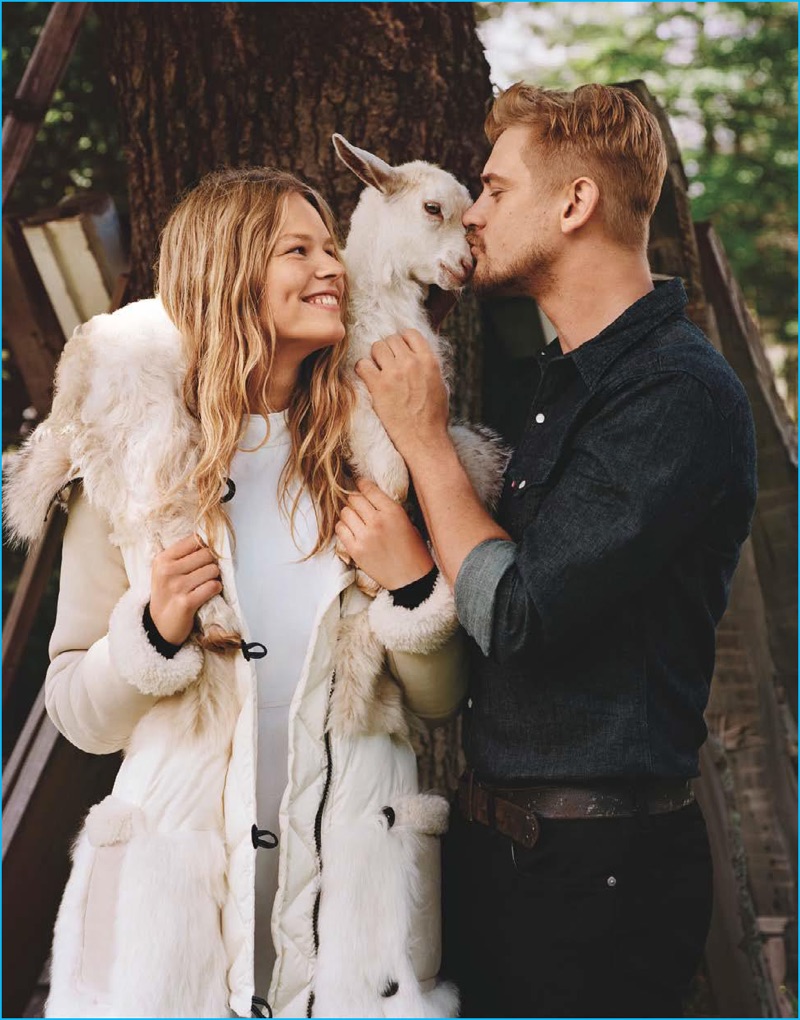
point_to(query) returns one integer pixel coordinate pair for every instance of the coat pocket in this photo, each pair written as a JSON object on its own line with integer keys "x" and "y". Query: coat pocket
{"x": 138, "y": 932}
{"x": 379, "y": 917}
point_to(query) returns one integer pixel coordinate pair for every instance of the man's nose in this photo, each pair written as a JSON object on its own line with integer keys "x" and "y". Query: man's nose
{"x": 471, "y": 218}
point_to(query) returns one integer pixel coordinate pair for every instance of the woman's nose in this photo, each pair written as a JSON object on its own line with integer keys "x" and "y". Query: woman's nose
{"x": 331, "y": 266}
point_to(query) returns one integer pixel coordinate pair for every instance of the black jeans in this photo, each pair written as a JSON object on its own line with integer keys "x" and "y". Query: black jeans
{"x": 603, "y": 917}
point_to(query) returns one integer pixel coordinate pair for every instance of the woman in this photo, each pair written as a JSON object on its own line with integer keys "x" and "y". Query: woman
{"x": 265, "y": 847}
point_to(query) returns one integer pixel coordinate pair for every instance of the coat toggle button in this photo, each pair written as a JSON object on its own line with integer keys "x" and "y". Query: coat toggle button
{"x": 253, "y": 650}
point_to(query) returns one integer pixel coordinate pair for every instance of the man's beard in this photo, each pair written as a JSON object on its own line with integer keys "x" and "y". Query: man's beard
{"x": 532, "y": 273}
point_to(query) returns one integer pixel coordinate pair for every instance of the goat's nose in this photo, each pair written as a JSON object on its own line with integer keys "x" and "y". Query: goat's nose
{"x": 467, "y": 265}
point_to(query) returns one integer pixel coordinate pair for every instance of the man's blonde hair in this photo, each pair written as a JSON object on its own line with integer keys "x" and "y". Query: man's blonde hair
{"x": 211, "y": 278}
{"x": 597, "y": 131}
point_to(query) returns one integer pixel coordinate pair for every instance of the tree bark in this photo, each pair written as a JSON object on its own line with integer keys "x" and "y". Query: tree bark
{"x": 200, "y": 85}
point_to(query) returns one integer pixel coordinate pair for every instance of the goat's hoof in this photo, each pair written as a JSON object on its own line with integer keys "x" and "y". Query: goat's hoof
{"x": 366, "y": 584}
{"x": 341, "y": 552}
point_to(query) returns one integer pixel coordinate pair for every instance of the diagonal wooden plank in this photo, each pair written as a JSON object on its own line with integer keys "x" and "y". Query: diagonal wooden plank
{"x": 35, "y": 92}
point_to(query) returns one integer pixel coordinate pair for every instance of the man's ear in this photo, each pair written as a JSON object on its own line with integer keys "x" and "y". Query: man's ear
{"x": 579, "y": 205}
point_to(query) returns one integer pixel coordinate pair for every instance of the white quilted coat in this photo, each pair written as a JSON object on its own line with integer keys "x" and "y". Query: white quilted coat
{"x": 157, "y": 917}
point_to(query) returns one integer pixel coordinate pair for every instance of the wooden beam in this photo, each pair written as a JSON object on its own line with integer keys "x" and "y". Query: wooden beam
{"x": 35, "y": 92}
{"x": 28, "y": 596}
{"x": 53, "y": 786}
{"x": 30, "y": 325}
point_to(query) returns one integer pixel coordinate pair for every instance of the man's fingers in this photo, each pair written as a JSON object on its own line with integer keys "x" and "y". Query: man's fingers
{"x": 367, "y": 371}
{"x": 385, "y": 351}
{"x": 413, "y": 339}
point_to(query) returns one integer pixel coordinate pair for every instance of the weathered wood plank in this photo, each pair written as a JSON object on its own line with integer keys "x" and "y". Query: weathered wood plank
{"x": 30, "y": 326}
{"x": 32, "y": 99}
{"x": 28, "y": 596}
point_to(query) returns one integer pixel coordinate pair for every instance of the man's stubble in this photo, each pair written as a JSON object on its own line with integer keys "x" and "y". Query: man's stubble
{"x": 531, "y": 274}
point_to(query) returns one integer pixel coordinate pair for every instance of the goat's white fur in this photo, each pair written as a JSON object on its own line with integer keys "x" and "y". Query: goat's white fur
{"x": 395, "y": 251}
{"x": 406, "y": 235}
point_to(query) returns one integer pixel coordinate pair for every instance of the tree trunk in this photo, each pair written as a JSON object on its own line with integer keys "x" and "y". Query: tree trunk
{"x": 200, "y": 85}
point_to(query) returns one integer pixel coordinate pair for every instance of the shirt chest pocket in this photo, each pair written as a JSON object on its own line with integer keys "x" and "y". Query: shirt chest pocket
{"x": 538, "y": 463}
{"x": 526, "y": 490}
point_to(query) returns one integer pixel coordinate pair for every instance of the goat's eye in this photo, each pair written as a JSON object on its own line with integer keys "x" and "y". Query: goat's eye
{"x": 433, "y": 208}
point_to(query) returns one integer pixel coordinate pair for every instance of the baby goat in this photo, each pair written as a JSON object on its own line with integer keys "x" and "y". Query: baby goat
{"x": 405, "y": 235}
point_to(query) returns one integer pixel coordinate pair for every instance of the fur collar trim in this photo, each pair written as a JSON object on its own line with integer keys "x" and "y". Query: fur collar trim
{"x": 118, "y": 422}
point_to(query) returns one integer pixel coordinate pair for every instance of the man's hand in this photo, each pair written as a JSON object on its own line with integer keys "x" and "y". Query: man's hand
{"x": 408, "y": 392}
{"x": 380, "y": 539}
{"x": 184, "y": 577}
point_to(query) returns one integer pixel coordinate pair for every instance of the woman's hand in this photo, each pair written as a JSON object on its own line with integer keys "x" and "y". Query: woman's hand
{"x": 184, "y": 577}
{"x": 380, "y": 539}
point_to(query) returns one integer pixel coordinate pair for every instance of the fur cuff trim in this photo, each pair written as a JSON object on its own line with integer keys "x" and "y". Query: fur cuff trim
{"x": 423, "y": 629}
{"x": 137, "y": 661}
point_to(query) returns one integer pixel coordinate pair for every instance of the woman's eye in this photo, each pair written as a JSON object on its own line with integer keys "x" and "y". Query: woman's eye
{"x": 433, "y": 209}
{"x": 300, "y": 249}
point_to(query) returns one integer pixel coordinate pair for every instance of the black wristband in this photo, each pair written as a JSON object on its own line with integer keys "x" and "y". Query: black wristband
{"x": 412, "y": 595}
{"x": 161, "y": 645}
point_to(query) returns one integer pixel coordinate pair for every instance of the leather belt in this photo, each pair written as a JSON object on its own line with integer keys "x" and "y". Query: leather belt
{"x": 515, "y": 811}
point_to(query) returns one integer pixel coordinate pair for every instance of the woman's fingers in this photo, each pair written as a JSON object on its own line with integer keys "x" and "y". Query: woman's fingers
{"x": 196, "y": 559}
{"x": 202, "y": 593}
{"x": 184, "y": 576}
{"x": 361, "y": 504}
{"x": 375, "y": 496}
{"x": 197, "y": 577}
{"x": 353, "y": 520}
{"x": 183, "y": 547}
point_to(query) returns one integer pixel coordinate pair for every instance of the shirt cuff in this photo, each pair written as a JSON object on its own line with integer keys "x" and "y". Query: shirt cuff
{"x": 412, "y": 595}
{"x": 161, "y": 645}
{"x": 476, "y": 587}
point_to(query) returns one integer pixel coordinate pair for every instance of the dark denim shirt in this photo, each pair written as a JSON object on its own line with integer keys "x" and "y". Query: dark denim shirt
{"x": 628, "y": 499}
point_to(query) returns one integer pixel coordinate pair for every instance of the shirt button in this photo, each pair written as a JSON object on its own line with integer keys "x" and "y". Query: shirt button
{"x": 611, "y": 881}
{"x": 521, "y": 484}
{"x": 469, "y": 702}
{"x": 539, "y": 418}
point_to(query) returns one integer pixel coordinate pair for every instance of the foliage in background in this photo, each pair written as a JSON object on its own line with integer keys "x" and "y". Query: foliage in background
{"x": 78, "y": 145}
{"x": 727, "y": 75}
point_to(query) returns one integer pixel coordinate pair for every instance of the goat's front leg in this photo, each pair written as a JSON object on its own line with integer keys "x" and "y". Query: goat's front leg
{"x": 374, "y": 457}
{"x": 373, "y": 453}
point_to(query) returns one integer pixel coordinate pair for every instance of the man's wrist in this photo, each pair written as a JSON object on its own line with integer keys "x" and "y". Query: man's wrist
{"x": 429, "y": 448}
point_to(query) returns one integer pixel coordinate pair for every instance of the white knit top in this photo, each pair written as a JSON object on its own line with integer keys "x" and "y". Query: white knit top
{"x": 280, "y": 595}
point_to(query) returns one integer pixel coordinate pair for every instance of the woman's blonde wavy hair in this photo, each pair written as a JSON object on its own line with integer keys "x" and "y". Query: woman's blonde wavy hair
{"x": 211, "y": 279}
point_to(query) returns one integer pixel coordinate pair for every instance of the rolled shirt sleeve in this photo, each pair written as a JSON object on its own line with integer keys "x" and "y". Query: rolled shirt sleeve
{"x": 641, "y": 475}
{"x": 476, "y": 588}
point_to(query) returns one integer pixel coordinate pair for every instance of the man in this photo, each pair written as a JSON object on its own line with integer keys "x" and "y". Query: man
{"x": 577, "y": 870}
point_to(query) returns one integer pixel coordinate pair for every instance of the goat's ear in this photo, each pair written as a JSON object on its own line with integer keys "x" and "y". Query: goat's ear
{"x": 368, "y": 168}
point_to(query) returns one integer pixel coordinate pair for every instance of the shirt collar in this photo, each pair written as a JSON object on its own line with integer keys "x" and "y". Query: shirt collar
{"x": 594, "y": 357}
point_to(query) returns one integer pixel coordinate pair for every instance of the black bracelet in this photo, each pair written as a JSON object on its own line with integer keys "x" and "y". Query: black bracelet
{"x": 412, "y": 595}
{"x": 161, "y": 645}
